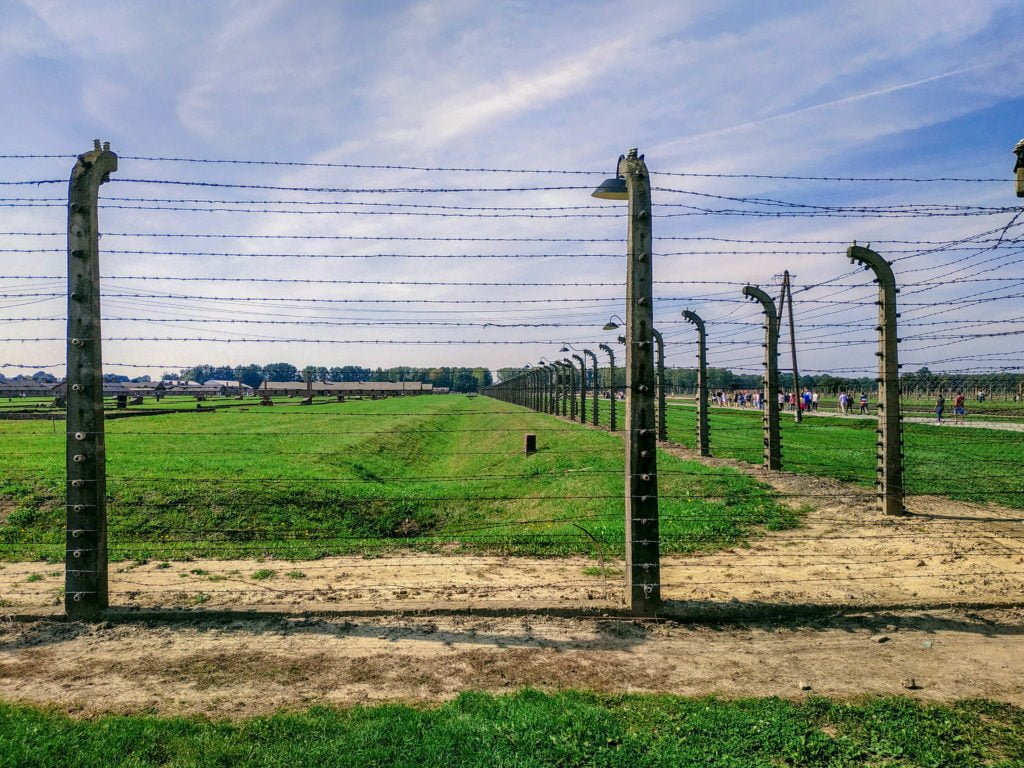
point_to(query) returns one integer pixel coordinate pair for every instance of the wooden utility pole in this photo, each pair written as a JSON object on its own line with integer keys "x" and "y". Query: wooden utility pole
{"x": 85, "y": 565}
{"x": 703, "y": 427}
{"x": 787, "y": 293}
{"x": 770, "y": 418}
{"x": 889, "y": 456}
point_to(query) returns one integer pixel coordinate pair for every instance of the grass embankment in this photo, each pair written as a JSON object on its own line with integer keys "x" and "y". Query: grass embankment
{"x": 304, "y": 482}
{"x": 536, "y": 729}
{"x": 978, "y": 465}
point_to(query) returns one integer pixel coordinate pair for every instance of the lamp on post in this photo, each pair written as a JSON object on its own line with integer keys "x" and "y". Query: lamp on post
{"x": 643, "y": 573}
{"x": 611, "y": 325}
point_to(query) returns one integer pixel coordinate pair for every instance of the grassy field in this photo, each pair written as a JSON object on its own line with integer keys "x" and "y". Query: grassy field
{"x": 304, "y": 482}
{"x": 978, "y": 465}
{"x": 537, "y": 729}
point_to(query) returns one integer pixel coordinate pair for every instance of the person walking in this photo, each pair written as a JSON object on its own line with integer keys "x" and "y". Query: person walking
{"x": 863, "y": 403}
{"x": 959, "y": 409}
{"x": 940, "y": 406}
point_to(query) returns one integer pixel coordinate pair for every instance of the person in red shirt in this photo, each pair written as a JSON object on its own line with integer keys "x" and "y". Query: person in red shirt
{"x": 959, "y": 410}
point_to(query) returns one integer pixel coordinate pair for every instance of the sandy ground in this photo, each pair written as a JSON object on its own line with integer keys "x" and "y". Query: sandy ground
{"x": 242, "y": 667}
{"x": 929, "y": 605}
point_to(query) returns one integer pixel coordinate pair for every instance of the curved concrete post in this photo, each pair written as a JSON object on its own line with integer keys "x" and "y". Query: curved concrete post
{"x": 703, "y": 437}
{"x": 86, "y": 592}
{"x": 659, "y": 342}
{"x": 583, "y": 388}
{"x": 611, "y": 385}
{"x": 889, "y": 454}
{"x": 595, "y": 388}
{"x": 770, "y": 418}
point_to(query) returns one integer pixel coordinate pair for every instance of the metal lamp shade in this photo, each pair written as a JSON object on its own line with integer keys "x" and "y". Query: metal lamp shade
{"x": 611, "y": 189}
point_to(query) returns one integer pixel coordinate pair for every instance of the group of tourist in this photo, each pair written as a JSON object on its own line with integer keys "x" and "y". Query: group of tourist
{"x": 959, "y": 408}
{"x": 741, "y": 398}
{"x": 847, "y": 401}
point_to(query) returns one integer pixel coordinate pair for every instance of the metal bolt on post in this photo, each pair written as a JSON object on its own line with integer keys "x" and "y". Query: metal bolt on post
{"x": 770, "y": 419}
{"x": 703, "y": 436}
{"x": 85, "y": 564}
{"x": 889, "y": 456}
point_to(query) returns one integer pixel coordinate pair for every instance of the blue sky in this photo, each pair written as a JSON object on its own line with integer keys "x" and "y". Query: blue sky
{"x": 863, "y": 89}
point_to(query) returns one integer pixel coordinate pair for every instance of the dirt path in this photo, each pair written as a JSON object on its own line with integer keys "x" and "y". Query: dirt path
{"x": 943, "y": 586}
{"x": 847, "y": 553}
{"x": 259, "y": 666}
{"x": 972, "y": 422}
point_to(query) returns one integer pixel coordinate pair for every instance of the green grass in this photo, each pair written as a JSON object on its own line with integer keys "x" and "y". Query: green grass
{"x": 421, "y": 472}
{"x": 536, "y": 729}
{"x": 978, "y": 465}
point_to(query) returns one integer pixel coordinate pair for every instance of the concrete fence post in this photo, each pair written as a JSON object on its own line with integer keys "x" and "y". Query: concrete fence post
{"x": 889, "y": 454}
{"x": 660, "y": 383}
{"x": 703, "y": 427}
{"x": 643, "y": 546}
{"x": 611, "y": 386}
{"x": 770, "y": 419}
{"x": 583, "y": 387}
{"x": 85, "y": 563}
{"x": 564, "y": 379}
{"x": 570, "y": 390}
{"x": 595, "y": 387}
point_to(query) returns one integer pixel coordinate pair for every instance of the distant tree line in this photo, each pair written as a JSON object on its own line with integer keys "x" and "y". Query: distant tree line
{"x": 456, "y": 379}
{"x": 684, "y": 381}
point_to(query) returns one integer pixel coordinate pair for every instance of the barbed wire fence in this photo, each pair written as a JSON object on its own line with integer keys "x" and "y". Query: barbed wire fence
{"x": 186, "y": 490}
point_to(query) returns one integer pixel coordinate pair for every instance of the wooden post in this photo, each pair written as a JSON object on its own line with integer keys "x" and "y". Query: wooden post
{"x": 85, "y": 563}
{"x": 770, "y": 419}
{"x": 530, "y": 444}
{"x": 889, "y": 456}
{"x": 703, "y": 428}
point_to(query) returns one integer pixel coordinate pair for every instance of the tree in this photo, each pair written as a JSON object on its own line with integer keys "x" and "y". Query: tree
{"x": 200, "y": 373}
{"x": 223, "y": 373}
{"x": 465, "y": 381}
{"x": 281, "y": 372}
{"x": 251, "y": 375}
